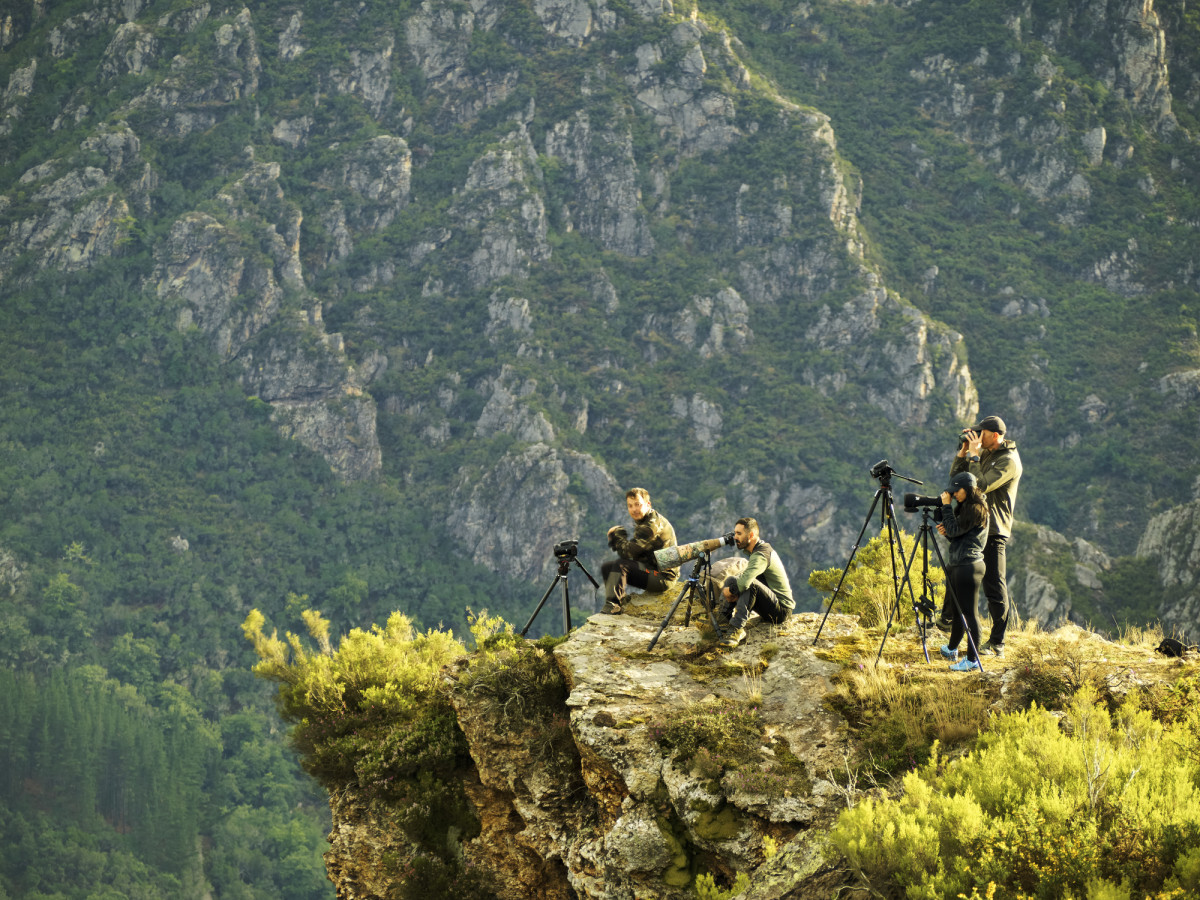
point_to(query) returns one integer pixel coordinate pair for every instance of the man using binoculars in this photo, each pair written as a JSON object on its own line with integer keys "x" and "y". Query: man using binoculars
{"x": 994, "y": 461}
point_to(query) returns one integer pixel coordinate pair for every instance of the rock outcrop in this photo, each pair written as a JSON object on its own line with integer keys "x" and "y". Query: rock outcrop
{"x": 625, "y": 819}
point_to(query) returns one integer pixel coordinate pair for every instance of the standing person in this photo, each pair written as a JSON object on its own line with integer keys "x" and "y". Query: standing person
{"x": 635, "y": 565}
{"x": 966, "y": 527}
{"x": 762, "y": 587}
{"x": 996, "y": 465}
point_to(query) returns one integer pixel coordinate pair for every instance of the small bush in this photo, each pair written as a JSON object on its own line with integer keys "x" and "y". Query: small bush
{"x": 1104, "y": 805}
{"x": 869, "y": 590}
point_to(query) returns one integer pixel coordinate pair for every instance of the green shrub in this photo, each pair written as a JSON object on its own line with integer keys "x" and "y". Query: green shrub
{"x": 1100, "y": 806}
{"x": 869, "y": 590}
{"x": 371, "y": 711}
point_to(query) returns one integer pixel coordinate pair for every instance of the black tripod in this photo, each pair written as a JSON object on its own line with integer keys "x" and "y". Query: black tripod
{"x": 883, "y": 473}
{"x": 693, "y": 587}
{"x": 565, "y": 556}
{"x": 925, "y": 608}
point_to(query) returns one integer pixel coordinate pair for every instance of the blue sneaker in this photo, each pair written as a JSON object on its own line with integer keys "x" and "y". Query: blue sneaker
{"x": 965, "y": 665}
{"x": 949, "y": 654}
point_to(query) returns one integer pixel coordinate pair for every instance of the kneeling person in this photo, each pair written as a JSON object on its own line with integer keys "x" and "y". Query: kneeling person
{"x": 762, "y": 588}
{"x": 635, "y": 565}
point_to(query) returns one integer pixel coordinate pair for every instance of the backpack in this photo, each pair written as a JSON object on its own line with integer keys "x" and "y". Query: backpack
{"x": 1172, "y": 647}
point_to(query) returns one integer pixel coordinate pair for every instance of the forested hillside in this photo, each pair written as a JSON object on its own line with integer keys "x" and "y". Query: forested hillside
{"x": 363, "y": 307}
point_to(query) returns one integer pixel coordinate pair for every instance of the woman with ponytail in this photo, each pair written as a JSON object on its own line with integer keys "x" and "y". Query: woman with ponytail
{"x": 965, "y": 525}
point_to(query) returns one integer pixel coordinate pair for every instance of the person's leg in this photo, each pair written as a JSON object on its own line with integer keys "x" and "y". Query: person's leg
{"x": 995, "y": 587}
{"x": 615, "y": 574}
{"x": 965, "y": 580}
{"x": 760, "y": 599}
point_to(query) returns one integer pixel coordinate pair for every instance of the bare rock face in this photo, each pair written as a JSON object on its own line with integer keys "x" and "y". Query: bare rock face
{"x": 82, "y": 212}
{"x": 694, "y": 117}
{"x": 1172, "y": 539}
{"x": 439, "y": 41}
{"x": 531, "y": 499}
{"x": 240, "y": 299}
{"x": 20, "y": 86}
{"x": 501, "y": 214}
{"x": 199, "y": 92}
{"x": 906, "y": 360}
{"x": 606, "y": 202}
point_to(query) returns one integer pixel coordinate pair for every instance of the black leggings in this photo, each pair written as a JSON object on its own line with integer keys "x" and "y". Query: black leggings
{"x": 963, "y": 581}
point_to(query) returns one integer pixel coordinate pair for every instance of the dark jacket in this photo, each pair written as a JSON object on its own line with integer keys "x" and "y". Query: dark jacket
{"x": 966, "y": 544}
{"x": 765, "y": 566}
{"x": 652, "y": 532}
{"x": 998, "y": 472}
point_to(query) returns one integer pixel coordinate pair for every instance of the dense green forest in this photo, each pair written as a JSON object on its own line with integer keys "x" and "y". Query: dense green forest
{"x": 782, "y": 280}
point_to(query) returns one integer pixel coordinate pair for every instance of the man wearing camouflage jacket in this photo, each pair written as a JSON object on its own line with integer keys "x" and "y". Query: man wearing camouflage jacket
{"x": 635, "y": 565}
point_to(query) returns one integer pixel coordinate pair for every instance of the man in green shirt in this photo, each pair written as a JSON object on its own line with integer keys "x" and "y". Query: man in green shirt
{"x": 762, "y": 587}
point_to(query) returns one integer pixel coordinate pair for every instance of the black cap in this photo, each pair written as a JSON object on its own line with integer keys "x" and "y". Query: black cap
{"x": 991, "y": 423}
{"x": 962, "y": 480}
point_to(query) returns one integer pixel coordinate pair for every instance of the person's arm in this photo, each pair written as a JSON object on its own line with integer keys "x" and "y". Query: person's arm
{"x": 949, "y": 526}
{"x": 645, "y": 540}
{"x": 754, "y": 567}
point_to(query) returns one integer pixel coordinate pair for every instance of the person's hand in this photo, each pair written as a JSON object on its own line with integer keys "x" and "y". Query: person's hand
{"x": 973, "y": 445}
{"x": 941, "y": 529}
{"x": 945, "y": 497}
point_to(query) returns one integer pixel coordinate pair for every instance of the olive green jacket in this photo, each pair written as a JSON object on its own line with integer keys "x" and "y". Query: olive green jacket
{"x": 998, "y": 472}
{"x": 765, "y": 566}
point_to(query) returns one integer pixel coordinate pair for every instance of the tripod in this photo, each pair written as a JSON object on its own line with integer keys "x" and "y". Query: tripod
{"x": 924, "y": 608}
{"x": 883, "y": 473}
{"x": 693, "y": 587}
{"x": 564, "y": 566}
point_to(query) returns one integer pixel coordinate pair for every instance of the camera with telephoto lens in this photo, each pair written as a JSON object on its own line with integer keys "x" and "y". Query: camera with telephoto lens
{"x": 913, "y": 502}
{"x": 727, "y": 537}
{"x": 566, "y": 549}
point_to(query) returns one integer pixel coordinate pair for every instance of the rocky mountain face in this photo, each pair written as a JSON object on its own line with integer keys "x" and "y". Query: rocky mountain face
{"x": 571, "y": 247}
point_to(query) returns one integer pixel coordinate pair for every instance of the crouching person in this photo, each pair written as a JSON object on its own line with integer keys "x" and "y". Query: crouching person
{"x": 763, "y": 586}
{"x": 635, "y": 565}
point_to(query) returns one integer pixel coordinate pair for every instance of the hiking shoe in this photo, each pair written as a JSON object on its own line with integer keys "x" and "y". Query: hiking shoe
{"x": 949, "y": 654}
{"x": 612, "y": 608}
{"x": 732, "y": 639}
{"x": 965, "y": 665}
{"x": 990, "y": 649}
{"x": 944, "y": 625}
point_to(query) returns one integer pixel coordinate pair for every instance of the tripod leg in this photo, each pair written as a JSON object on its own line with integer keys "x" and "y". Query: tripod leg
{"x": 708, "y": 609}
{"x": 566, "y": 606}
{"x": 889, "y": 515}
{"x": 846, "y": 570}
{"x": 545, "y": 597}
{"x": 666, "y": 619}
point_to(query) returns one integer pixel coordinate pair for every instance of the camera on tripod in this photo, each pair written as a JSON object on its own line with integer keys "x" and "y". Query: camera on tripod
{"x": 566, "y": 549}
{"x": 913, "y": 502}
{"x": 882, "y": 470}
